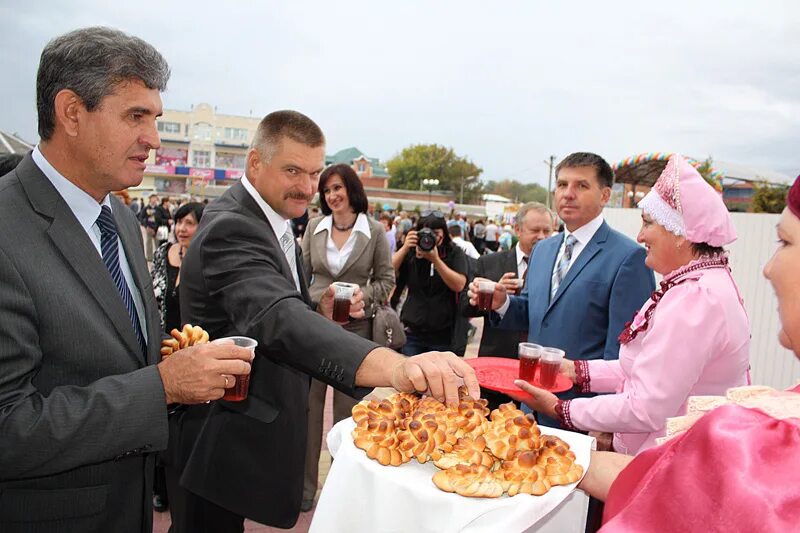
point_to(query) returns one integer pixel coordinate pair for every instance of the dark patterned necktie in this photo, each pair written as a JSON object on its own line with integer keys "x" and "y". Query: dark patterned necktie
{"x": 110, "y": 250}
{"x": 563, "y": 265}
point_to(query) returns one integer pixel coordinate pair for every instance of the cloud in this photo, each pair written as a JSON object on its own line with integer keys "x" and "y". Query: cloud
{"x": 505, "y": 84}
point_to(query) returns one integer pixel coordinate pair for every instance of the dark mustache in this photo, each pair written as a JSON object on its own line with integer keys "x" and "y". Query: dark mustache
{"x": 296, "y": 195}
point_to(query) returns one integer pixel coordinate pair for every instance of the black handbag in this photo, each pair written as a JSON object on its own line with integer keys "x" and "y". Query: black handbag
{"x": 387, "y": 329}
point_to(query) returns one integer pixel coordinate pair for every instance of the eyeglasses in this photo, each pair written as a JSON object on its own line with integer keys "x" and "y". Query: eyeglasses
{"x": 435, "y": 213}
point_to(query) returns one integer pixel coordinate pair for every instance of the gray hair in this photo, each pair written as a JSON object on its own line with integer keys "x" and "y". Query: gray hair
{"x": 533, "y": 206}
{"x": 92, "y": 62}
{"x": 279, "y": 124}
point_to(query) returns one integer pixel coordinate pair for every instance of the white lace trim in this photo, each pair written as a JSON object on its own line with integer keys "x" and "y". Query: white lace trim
{"x": 662, "y": 213}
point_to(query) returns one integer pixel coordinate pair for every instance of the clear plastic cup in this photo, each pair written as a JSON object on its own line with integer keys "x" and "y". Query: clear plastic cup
{"x": 550, "y": 366}
{"x": 485, "y": 295}
{"x": 341, "y": 300}
{"x": 529, "y": 355}
{"x": 240, "y": 389}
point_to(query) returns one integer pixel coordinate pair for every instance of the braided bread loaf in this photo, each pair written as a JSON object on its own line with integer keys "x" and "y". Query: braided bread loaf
{"x": 424, "y": 437}
{"x": 469, "y": 480}
{"x": 522, "y": 475}
{"x": 467, "y": 451}
{"x": 558, "y": 461}
{"x": 507, "y": 436}
{"x": 378, "y": 438}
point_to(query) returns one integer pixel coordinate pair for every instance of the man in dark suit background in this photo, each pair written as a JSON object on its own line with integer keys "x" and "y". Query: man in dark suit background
{"x": 82, "y": 400}
{"x": 582, "y": 286}
{"x": 534, "y": 222}
{"x": 243, "y": 275}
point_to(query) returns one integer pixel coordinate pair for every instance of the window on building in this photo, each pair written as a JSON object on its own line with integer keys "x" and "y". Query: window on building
{"x": 202, "y": 130}
{"x": 169, "y": 127}
{"x": 236, "y": 134}
{"x": 361, "y": 166}
{"x": 226, "y": 160}
{"x": 201, "y": 158}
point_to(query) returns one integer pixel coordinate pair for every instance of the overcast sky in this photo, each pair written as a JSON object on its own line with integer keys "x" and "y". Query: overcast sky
{"x": 504, "y": 83}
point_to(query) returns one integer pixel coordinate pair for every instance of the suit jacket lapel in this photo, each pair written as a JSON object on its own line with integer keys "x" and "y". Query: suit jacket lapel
{"x": 591, "y": 249}
{"x": 71, "y": 240}
{"x": 320, "y": 243}
{"x": 244, "y": 199}
{"x": 359, "y": 246}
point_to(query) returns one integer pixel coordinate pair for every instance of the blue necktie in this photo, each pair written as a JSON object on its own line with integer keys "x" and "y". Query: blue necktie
{"x": 110, "y": 250}
{"x": 563, "y": 265}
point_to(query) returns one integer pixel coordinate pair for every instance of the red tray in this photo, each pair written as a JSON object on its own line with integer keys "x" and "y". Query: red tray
{"x": 499, "y": 373}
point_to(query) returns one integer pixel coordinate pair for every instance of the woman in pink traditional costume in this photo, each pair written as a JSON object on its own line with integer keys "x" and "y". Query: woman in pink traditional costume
{"x": 736, "y": 469}
{"x": 692, "y": 337}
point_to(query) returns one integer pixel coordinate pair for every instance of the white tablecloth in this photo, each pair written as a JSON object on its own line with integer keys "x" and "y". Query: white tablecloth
{"x": 362, "y": 496}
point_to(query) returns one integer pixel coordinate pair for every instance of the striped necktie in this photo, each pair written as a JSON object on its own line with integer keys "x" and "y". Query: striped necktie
{"x": 563, "y": 265}
{"x": 288, "y": 244}
{"x": 110, "y": 250}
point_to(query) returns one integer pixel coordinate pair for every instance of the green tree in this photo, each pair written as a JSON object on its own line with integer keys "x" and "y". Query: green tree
{"x": 399, "y": 206}
{"x": 519, "y": 192}
{"x": 420, "y": 161}
{"x": 769, "y": 198}
{"x": 705, "y": 169}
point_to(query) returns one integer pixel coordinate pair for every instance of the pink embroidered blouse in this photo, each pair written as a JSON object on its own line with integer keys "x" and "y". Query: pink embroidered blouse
{"x": 697, "y": 343}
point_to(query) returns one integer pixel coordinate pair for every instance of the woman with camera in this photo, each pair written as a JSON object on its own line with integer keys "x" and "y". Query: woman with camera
{"x": 435, "y": 272}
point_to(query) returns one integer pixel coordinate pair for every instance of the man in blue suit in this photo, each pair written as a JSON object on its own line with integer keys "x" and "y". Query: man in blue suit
{"x": 582, "y": 285}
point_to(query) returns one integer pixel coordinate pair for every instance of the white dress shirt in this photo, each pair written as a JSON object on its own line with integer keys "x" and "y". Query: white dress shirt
{"x": 522, "y": 266}
{"x": 279, "y": 224}
{"x": 582, "y": 235}
{"x": 336, "y": 257}
{"x": 86, "y": 210}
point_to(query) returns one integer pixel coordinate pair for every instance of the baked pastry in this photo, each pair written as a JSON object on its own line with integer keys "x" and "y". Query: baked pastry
{"x": 523, "y": 475}
{"x": 507, "y": 436}
{"x": 468, "y": 418}
{"x": 379, "y": 439}
{"x": 558, "y": 461}
{"x": 467, "y": 451}
{"x": 423, "y": 437}
{"x": 469, "y": 480}
{"x": 188, "y": 336}
{"x": 505, "y": 411}
{"x": 369, "y": 410}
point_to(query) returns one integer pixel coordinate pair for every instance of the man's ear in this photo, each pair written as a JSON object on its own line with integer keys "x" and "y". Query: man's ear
{"x": 68, "y": 108}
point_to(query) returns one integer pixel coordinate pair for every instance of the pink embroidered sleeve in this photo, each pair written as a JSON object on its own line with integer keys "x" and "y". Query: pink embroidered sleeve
{"x": 599, "y": 376}
{"x": 687, "y": 330}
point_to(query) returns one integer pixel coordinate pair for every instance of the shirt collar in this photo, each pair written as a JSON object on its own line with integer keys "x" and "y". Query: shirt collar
{"x": 520, "y": 254}
{"x": 361, "y": 224}
{"x": 279, "y": 224}
{"x": 83, "y": 206}
{"x": 585, "y": 233}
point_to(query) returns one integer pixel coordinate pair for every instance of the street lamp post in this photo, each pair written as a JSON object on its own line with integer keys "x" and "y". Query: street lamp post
{"x": 430, "y": 184}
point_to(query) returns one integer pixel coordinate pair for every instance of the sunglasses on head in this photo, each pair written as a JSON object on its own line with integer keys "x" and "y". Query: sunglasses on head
{"x": 429, "y": 212}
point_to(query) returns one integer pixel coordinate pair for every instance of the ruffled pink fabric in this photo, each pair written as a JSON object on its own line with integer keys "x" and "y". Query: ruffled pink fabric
{"x": 736, "y": 469}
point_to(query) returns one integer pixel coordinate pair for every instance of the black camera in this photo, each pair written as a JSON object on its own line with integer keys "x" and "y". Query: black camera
{"x": 426, "y": 239}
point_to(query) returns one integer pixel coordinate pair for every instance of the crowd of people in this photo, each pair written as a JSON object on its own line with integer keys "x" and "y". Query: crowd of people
{"x": 91, "y": 286}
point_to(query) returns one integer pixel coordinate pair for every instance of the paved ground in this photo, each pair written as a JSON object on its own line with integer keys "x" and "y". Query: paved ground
{"x": 161, "y": 521}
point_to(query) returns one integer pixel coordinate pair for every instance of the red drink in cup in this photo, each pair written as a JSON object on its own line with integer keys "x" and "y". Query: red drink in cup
{"x": 485, "y": 295}
{"x": 528, "y": 360}
{"x": 341, "y": 301}
{"x": 549, "y": 367}
{"x": 239, "y": 390}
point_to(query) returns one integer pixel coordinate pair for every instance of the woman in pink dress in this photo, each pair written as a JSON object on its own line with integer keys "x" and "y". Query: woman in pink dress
{"x": 691, "y": 338}
{"x": 736, "y": 468}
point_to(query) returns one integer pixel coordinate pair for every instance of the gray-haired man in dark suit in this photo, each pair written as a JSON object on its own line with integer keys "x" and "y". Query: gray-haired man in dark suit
{"x": 82, "y": 400}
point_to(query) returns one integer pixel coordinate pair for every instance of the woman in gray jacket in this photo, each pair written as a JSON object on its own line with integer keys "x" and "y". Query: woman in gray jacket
{"x": 343, "y": 245}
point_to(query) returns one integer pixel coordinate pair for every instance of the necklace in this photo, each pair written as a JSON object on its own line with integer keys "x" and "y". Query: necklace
{"x": 344, "y": 228}
{"x": 629, "y": 332}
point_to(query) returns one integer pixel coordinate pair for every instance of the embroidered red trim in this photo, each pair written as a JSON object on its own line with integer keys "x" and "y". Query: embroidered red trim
{"x": 582, "y": 378}
{"x": 562, "y": 412}
{"x": 629, "y": 332}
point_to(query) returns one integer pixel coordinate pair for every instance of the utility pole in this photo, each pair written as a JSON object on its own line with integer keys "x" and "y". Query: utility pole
{"x": 550, "y": 178}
